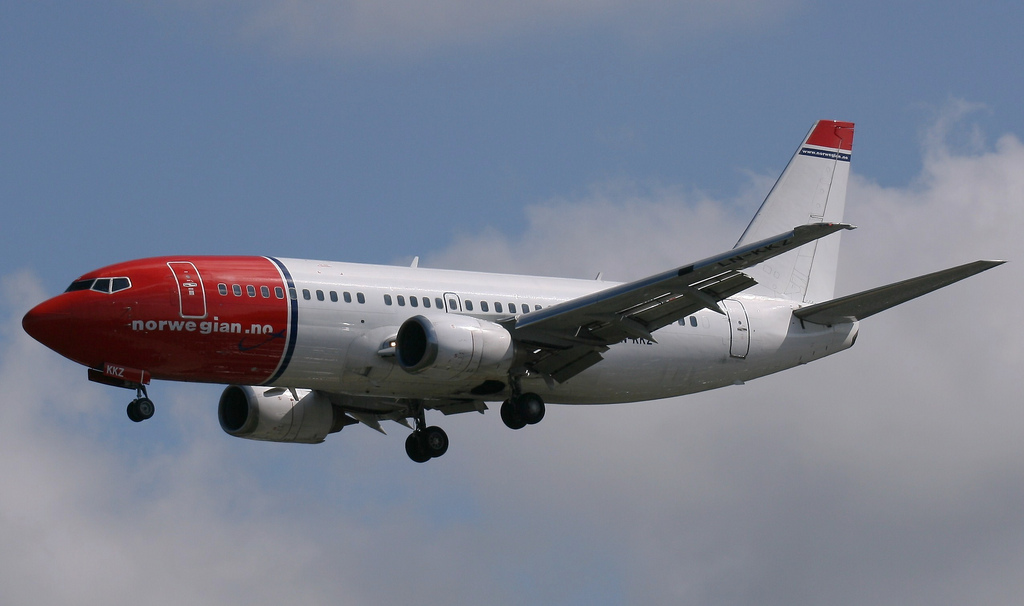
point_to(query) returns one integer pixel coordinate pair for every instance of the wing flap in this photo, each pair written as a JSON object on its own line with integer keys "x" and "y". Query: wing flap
{"x": 869, "y": 302}
{"x": 705, "y": 295}
{"x": 562, "y": 365}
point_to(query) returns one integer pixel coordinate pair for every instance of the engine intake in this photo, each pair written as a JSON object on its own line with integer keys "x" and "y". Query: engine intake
{"x": 453, "y": 347}
{"x": 274, "y": 415}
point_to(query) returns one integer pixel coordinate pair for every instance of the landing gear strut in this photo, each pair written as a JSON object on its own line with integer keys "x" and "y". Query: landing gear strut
{"x": 425, "y": 443}
{"x": 522, "y": 410}
{"x": 141, "y": 408}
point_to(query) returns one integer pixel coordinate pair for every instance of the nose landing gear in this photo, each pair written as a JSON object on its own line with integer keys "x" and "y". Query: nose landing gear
{"x": 141, "y": 408}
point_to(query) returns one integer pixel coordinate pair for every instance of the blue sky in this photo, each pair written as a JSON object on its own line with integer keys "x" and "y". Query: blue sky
{"x": 561, "y": 138}
{"x": 175, "y": 128}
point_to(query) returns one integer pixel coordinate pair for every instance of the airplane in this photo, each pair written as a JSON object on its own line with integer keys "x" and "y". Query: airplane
{"x": 309, "y": 347}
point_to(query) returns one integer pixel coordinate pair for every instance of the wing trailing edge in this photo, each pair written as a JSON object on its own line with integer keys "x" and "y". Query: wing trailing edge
{"x": 869, "y": 302}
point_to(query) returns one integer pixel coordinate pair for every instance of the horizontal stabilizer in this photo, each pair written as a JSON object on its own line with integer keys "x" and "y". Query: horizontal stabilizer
{"x": 863, "y": 304}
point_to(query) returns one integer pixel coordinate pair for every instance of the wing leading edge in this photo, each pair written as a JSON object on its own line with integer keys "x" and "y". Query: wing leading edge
{"x": 570, "y": 337}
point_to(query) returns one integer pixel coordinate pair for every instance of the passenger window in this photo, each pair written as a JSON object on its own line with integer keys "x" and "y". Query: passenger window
{"x": 453, "y": 305}
{"x": 693, "y": 321}
{"x": 387, "y": 299}
{"x": 438, "y": 303}
{"x": 235, "y": 288}
{"x": 469, "y": 305}
{"x": 319, "y": 295}
{"x": 426, "y": 301}
{"x": 401, "y": 301}
{"x": 348, "y": 296}
{"x": 414, "y": 302}
{"x": 251, "y": 290}
{"x": 497, "y": 307}
{"x": 536, "y": 307}
{"x": 222, "y": 288}
{"x": 265, "y": 291}
{"x": 278, "y": 292}
{"x": 511, "y": 308}
{"x": 294, "y": 296}
{"x": 334, "y": 297}
{"x": 360, "y": 297}
{"x": 305, "y": 294}
{"x": 483, "y": 306}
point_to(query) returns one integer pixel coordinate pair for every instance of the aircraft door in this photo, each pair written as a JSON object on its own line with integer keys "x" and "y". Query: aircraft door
{"x": 739, "y": 331}
{"x": 191, "y": 296}
{"x": 452, "y": 303}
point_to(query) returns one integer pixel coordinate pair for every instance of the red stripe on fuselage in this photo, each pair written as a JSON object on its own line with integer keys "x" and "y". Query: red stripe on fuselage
{"x": 240, "y": 339}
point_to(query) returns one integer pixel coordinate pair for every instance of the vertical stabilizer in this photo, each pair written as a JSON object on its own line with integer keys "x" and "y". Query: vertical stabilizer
{"x": 812, "y": 189}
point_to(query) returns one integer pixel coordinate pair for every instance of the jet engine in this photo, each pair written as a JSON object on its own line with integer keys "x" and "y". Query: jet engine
{"x": 274, "y": 415}
{"x": 453, "y": 347}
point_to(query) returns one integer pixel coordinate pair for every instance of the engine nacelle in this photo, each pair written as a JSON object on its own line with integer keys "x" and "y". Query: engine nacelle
{"x": 274, "y": 415}
{"x": 453, "y": 347}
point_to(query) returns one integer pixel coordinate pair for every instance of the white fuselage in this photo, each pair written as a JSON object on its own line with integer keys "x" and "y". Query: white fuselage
{"x": 340, "y": 341}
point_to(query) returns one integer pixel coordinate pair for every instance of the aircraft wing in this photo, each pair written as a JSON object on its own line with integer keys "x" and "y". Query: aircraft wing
{"x": 570, "y": 337}
{"x": 869, "y": 302}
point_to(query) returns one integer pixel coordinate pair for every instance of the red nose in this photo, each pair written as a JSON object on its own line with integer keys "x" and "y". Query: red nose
{"x": 49, "y": 323}
{"x": 71, "y": 326}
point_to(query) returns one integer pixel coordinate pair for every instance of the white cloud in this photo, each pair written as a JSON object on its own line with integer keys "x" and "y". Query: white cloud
{"x": 409, "y": 28}
{"x": 892, "y": 473}
{"x": 624, "y": 230}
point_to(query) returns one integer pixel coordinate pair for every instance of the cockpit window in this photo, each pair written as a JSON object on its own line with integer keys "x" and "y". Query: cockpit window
{"x": 80, "y": 285}
{"x": 104, "y": 285}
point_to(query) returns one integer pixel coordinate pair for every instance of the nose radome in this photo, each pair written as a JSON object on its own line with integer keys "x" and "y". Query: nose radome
{"x": 46, "y": 322}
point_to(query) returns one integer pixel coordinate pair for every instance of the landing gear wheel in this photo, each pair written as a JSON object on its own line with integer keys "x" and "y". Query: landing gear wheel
{"x": 425, "y": 443}
{"x": 145, "y": 408}
{"x": 140, "y": 409}
{"x": 529, "y": 408}
{"x": 510, "y": 417}
{"x": 522, "y": 410}
{"x": 416, "y": 448}
{"x": 435, "y": 441}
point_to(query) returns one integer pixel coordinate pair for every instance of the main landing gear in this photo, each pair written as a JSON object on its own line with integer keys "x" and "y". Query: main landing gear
{"x": 522, "y": 410}
{"x": 425, "y": 443}
{"x": 141, "y": 408}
